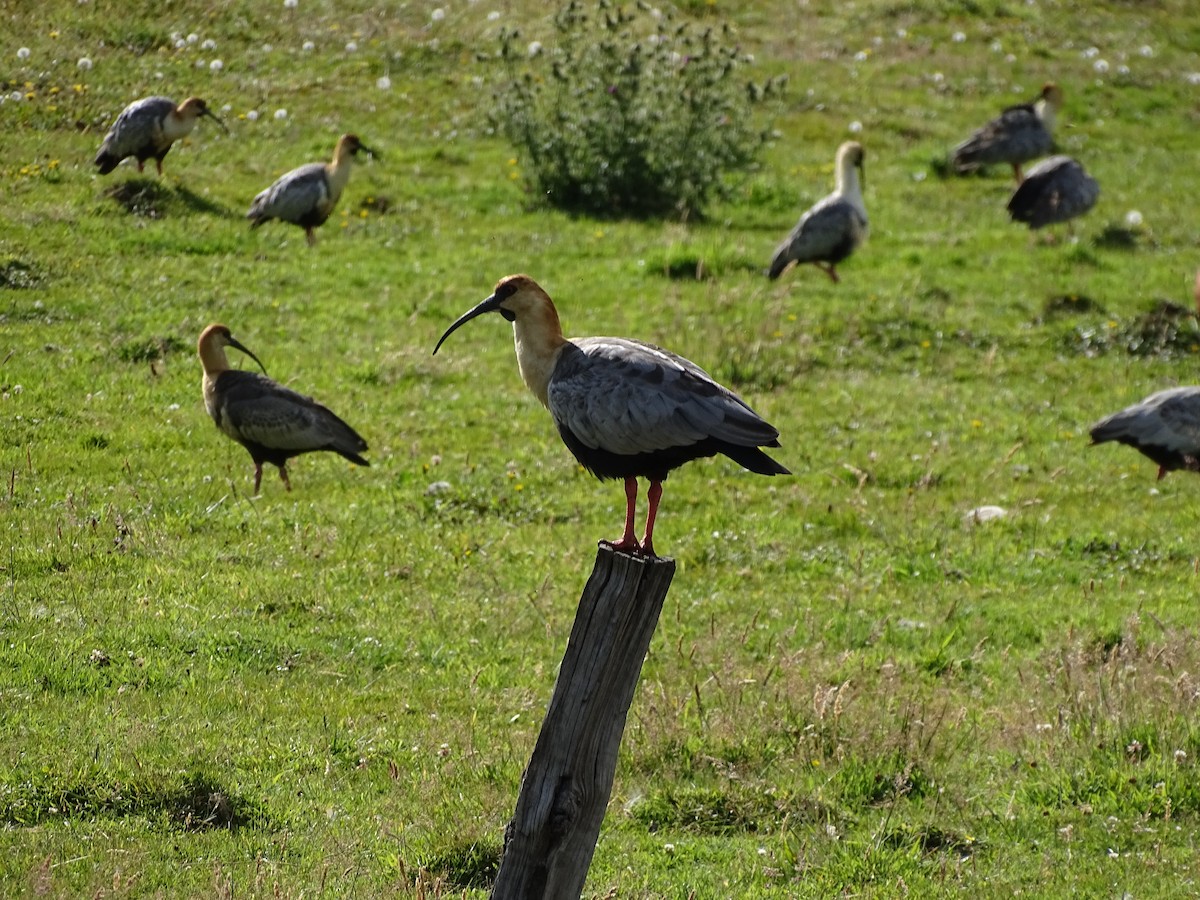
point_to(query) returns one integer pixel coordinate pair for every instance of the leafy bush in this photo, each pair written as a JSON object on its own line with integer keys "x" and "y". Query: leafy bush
{"x": 629, "y": 113}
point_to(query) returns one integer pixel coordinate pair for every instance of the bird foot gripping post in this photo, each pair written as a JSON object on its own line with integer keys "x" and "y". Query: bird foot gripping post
{"x": 549, "y": 843}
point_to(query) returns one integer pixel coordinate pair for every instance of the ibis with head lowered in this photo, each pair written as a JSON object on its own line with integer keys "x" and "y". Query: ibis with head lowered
{"x": 271, "y": 421}
{"x": 624, "y": 408}
{"x": 834, "y": 227}
{"x": 1056, "y": 190}
{"x": 306, "y": 196}
{"x": 147, "y": 128}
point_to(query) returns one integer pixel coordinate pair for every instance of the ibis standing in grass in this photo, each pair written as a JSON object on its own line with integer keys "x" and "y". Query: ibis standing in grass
{"x": 833, "y": 228}
{"x": 307, "y": 195}
{"x": 1019, "y": 134}
{"x": 272, "y": 422}
{"x": 1165, "y": 427}
{"x": 1055, "y": 190}
{"x": 624, "y": 408}
{"x": 147, "y": 128}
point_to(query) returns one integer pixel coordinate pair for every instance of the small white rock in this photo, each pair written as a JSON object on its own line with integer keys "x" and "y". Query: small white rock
{"x": 985, "y": 514}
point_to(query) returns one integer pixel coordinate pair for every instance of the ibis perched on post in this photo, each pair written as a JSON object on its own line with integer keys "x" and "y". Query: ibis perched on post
{"x": 624, "y": 408}
{"x": 1020, "y": 133}
{"x": 1165, "y": 427}
{"x": 272, "y": 422}
{"x": 307, "y": 195}
{"x": 147, "y": 128}
{"x": 1055, "y": 190}
{"x": 834, "y": 227}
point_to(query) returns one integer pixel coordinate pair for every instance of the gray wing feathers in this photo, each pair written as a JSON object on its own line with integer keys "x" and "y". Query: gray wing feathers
{"x": 1055, "y": 190}
{"x": 1168, "y": 419}
{"x": 1015, "y": 136}
{"x": 823, "y": 231}
{"x": 138, "y": 124}
{"x": 260, "y": 410}
{"x": 628, "y": 398}
{"x": 293, "y": 196}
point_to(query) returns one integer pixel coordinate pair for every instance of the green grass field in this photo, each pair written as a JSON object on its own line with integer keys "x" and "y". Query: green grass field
{"x": 854, "y": 689}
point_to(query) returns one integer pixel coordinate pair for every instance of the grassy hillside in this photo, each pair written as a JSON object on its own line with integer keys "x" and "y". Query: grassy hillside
{"x": 855, "y": 687}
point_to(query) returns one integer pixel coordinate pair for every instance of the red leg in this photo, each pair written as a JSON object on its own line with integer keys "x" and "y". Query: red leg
{"x": 1017, "y": 172}
{"x": 1162, "y": 473}
{"x": 257, "y": 477}
{"x": 139, "y": 162}
{"x": 628, "y": 542}
{"x": 283, "y": 474}
{"x": 652, "y": 496}
{"x": 158, "y": 162}
{"x": 312, "y": 237}
{"x": 828, "y": 270}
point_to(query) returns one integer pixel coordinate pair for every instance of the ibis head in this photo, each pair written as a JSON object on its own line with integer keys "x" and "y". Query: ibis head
{"x": 349, "y": 145}
{"x": 193, "y": 108}
{"x": 211, "y": 346}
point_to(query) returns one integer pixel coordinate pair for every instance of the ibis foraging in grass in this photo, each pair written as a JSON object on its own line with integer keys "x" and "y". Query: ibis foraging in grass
{"x": 624, "y": 408}
{"x": 307, "y": 195}
{"x": 1019, "y": 134}
{"x": 833, "y": 228}
{"x": 147, "y": 128}
{"x": 272, "y": 422}
{"x": 1055, "y": 190}
{"x": 1165, "y": 427}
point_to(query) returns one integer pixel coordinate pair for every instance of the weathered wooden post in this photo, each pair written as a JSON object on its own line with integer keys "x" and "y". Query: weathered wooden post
{"x": 549, "y": 843}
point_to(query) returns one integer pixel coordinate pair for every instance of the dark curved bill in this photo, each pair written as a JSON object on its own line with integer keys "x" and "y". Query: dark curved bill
{"x": 491, "y": 304}
{"x": 208, "y": 112}
{"x": 237, "y": 345}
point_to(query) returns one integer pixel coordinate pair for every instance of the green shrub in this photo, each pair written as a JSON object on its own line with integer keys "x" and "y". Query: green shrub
{"x": 630, "y": 112}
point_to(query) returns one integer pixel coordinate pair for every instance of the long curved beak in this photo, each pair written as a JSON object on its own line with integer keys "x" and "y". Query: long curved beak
{"x": 237, "y": 345}
{"x": 212, "y": 115}
{"x": 375, "y": 154}
{"x": 491, "y": 304}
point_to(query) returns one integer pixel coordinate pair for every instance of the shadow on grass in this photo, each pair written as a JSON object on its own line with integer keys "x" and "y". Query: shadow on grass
{"x": 193, "y": 801}
{"x": 149, "y": 198}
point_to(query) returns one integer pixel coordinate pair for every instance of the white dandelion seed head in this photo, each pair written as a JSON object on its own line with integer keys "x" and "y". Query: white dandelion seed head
{"x": 1010, "y": 58}
{"x": 1192, "y": 77}
{"x": 493, "y": 15}
{"x": 938, "y": 77}
{"x": 1133, "y": 218}
{"x": 216, "y": 65}
{"x": 877, "y": 41}
{"x": 280, "y": 114}
{"x": 252, "y": 116}
{"x": 437, "y": 15}
{"x": 84, "y": 64}
{"x": 855, "y": 127}
{"x": 477, "y": 81}
{"x": 308, "y": 46}
{"x": 1091, "y": 52}
{"x": 351, "y": 47}
{"x": 1146, "y": 50}
{"x": 193, "y": 37}
{"x": 267, "y": 48}
{"x": 200, "y": 64}
{"x": 227, "y": 108}
{"x": 534, "y": 48}
{"x": 16, "y": 96}
{"x": 383, "y": 83}
{"x": 1100, "y": 65}
{"x": 958, "y": 37}
{"x": 1180, "y": 756}
{"x": 1122, "y": 70}
{"x": 180, "y": 43}
{"x": 290, "y": 4}
{"x": 209, "y": 44}
{"x": 861, "y": 56}
{"x": 997, "y": 46}
{"x": 23, "y": 53}
{"x": 901, "y": 32}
